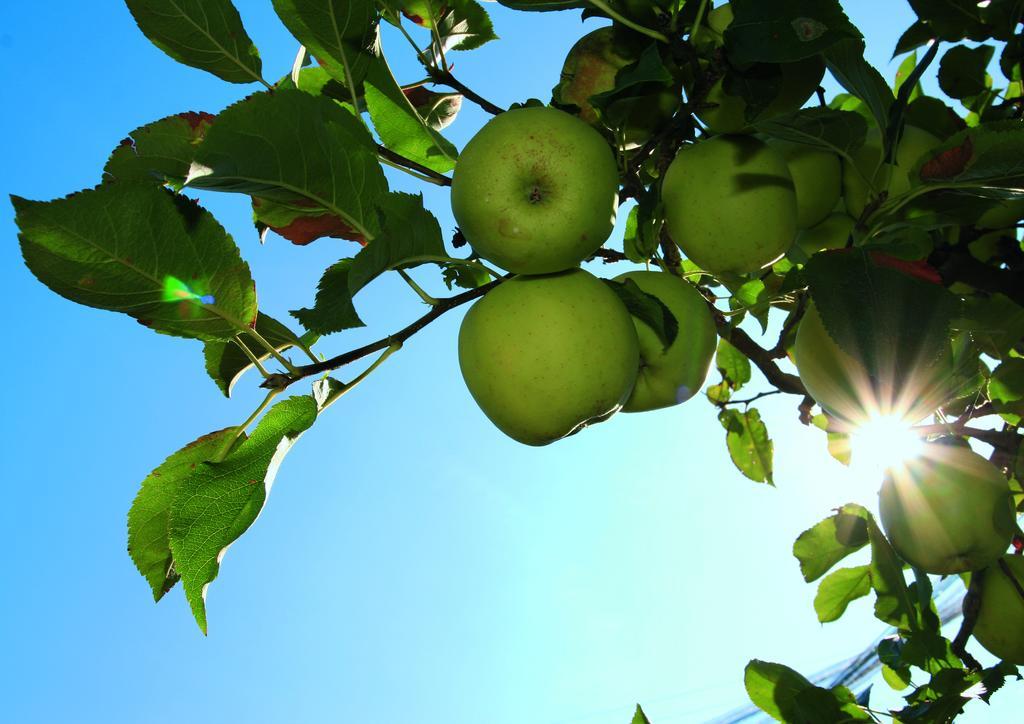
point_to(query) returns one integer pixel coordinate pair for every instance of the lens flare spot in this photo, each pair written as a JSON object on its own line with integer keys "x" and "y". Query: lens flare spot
{"x": 187, "y": 296}
{"x": 883, "y": 442}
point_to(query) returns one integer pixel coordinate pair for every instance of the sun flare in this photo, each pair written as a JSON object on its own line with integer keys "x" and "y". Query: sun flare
{"x": 884, "y": 441}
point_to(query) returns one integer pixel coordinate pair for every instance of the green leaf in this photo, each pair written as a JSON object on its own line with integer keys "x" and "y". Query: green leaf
{"x": 915, "y": 36}
{"x": 830, "y": 541}
{"x": 159, "y": 152}
{"x": 148, "y": 537}
{"x": 205, "y": 34}
{"x": 466, "y": 26}
{"x": 786, "y": 696}
{"x": 643, "y": 227}
{"x": 219, "y": 501}
{"x": 339, "y": 33}
{"x": 647, "y": 308}
{"x": 845, "y": 60}
{"x": 838, "y": 589}
{"x": 950, "y": 19}
{"x": 410, "y": 235}
{"x": 639, "y": 717}
{"x": 288, "y": 146}
{"x": 749, "y": 446}
{"x": 988, "y": 155}
{"x": 733, "y": 364}
{"x": 897, "y": 679}
{"x": 144, "y": 251}
{"x": 226, "y": 362}
{"x": 903, "y": 73}
{"x": 962, "y": 70}
{"x": 332, "y": 311}
{"x": 543, "y": 5}
{"x": 753, "y": 297}
{"x": 840, "y": 132}
{"x": 783, "y": 31}
{"x": 1006, "y": 389}
{"x": 996, "y": 323}
{"x": 894, "y": 605}
{"x": 889, "y": 331}
{"x": 300, "y": 222}
{"x": 400, "y": 126}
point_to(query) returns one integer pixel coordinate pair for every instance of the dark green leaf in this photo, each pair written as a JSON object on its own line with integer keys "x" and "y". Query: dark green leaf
{"x": 144, "y": 251}
{"x": 332, "y": 311}
{"x": 894, "y": 605}
{"x": 915, "y": 36}
{"x": 159, "y": 152}
{"x": 219, "y": 501}
{"x": 205, "y": 34}
{"x": 410, "y": 235}
{"x": 889, "y": 331}
{"x": 1006, "y": 389}
{"x": 996, "y": 323}
{"x": 904, "y": 72}
{"x": 845, "y": 60}
{"x": 465, "y": 275}
{"x": 749, "y": 446}
{"x": 543, "y": 5}
{"x": 950, "y": 19}
{"x": 733, "y": 364}
{"x": 400, "y": 126}
{"x": 339, "y": 33}
{"x": 830, "y": 541}
{"x": 648, "y": 309}
{"x": 786, "y": 696}
{"x": 838, "y": 589}
{"x": 963, "y": 70}
{"x": 643, "y": 227}
{"x": 226, "y": 362}
{"x": 838, "y": 131}
{"x": 783, "y": 31}
{"x": 287, "y": 146}
{"x": 148, "y": 537}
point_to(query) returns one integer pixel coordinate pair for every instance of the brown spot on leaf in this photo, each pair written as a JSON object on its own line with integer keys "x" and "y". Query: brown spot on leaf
{"x": 197, "y": 120}
{"x": 306, "y": 229}
{"x": 949, "y": 163}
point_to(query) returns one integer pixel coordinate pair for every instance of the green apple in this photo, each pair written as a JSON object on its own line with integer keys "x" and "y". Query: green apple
{"x": 817, "y": 176}
{"x": 832, "y": 233}
{"x": 730, "y": 204}
{"x": 948, "y": 511}
{"x": 535, "y": 191}
{"x": 867, "y": 166}
{"x": 545, "y": 356}
{"x": 590, "y": 68}
{"x": 670, "y": 376}
{"x": 839, "y": 381}
{"x": 1000, "y": 624}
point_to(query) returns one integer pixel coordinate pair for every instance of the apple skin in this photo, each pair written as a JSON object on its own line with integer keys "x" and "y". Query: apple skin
{"x": 832, "y": 233}
{"x": 866, "y": 159}
{"x": 817, "y": 177}
{"x": 671, "y": 376}
{"x": 730, "y": 204}
{"x": 1000, "y": 624}
{"x": 535, "y": 191}
{"x": 948, "y": 511}
{"x": 841, "y": 385}
{"x": 590, "y": 68}
{"x": 544, "y": 356}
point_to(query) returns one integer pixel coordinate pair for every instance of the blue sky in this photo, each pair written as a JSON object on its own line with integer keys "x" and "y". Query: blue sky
{"x": 412, "y": 564}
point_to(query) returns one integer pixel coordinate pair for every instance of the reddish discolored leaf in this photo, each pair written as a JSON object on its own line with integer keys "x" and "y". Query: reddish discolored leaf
{"x": 919, "y": 269}
{"x": 948, "y": 163}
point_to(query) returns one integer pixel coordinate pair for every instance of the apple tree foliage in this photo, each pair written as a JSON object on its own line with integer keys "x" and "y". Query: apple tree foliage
{"x": 932, "y": 262}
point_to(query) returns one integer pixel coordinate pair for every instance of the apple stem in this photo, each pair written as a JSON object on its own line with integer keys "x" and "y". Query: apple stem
{"x": 427, "y": 299}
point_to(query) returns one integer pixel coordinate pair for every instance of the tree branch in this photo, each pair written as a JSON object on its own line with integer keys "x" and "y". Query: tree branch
{"x": 282, "y": 380}
{"x": 761, "y": 357}
{"x": 409, "y": 163}
{"x": 971, "y": 607}
{"x": 957, "y": 265}
{"x": 444, "y": 77}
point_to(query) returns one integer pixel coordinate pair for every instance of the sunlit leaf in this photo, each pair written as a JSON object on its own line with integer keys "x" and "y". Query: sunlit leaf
{"x": 830, "y": 541}
{"x": 838, "y": 589}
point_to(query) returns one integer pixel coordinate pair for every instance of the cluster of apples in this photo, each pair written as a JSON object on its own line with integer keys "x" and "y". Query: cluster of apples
{"x": 554, "y": 349}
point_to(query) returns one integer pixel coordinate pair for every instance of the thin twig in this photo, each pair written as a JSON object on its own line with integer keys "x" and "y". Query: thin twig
{"x": 400, "y": 160}
{"x": 443, "y": 305}
{"x": 446, "y": 78}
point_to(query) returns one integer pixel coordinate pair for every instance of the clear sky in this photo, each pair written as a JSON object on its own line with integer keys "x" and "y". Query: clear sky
{"x": 413, "y": 565}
